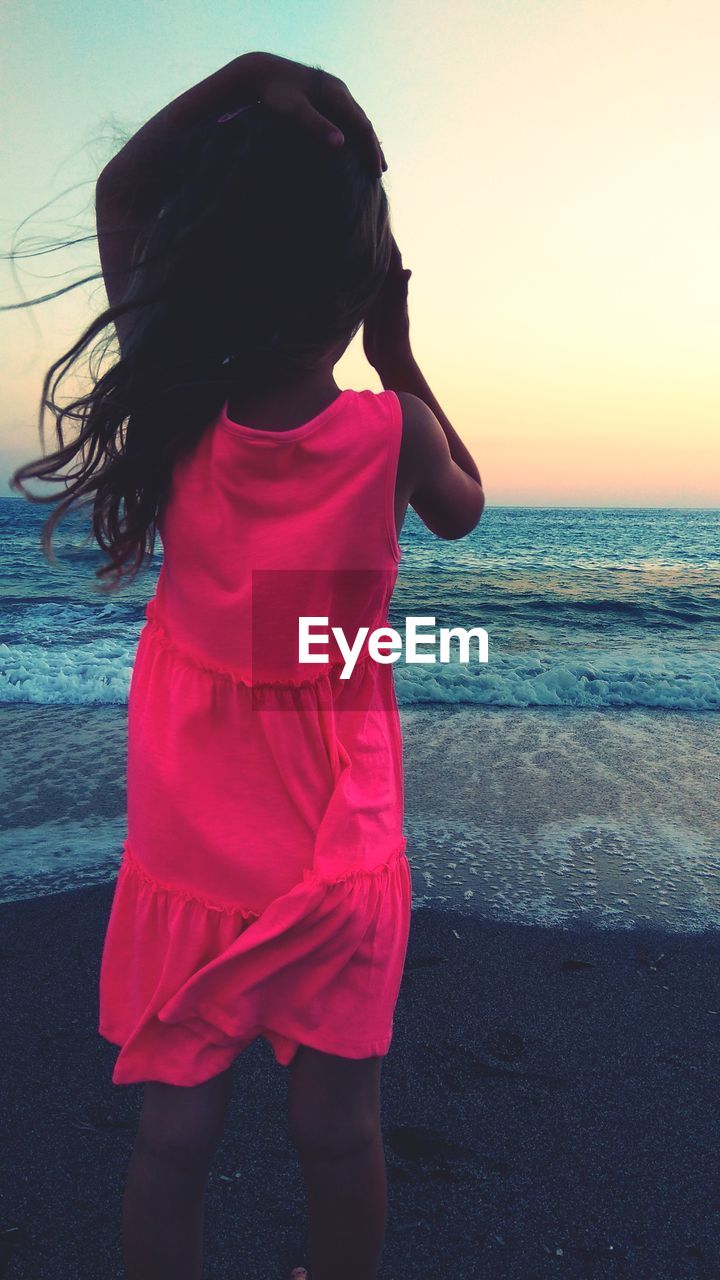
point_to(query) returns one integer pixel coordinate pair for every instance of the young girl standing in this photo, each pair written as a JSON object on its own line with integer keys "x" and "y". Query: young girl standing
{"x": 264, "y": 888}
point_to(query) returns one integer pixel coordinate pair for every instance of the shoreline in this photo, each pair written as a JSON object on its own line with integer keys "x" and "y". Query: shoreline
{"x": 567, "y": 817}
{"x": 547, "y": 1102}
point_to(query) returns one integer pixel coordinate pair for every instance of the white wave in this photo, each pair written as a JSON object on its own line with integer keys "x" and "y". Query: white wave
{"x": 86, "y": 674}
{"x": 634, "y": 676}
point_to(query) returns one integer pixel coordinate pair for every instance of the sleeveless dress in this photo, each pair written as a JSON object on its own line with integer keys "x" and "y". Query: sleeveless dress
{"x": 264, "y": 888}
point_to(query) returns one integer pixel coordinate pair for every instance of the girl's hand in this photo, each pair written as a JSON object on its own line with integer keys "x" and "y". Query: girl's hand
{"x": 128, "y": 191}
{"x": 386, "y": 329}
{"x": 320, "y": 101}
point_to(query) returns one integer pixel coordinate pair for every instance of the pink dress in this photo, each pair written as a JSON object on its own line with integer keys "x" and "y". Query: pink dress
{"x": 264, "y": 888}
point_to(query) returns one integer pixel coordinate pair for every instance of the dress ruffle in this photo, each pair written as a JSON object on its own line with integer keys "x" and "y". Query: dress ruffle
{"x": 187, "y": 984}
{"x": 327, "y": 675}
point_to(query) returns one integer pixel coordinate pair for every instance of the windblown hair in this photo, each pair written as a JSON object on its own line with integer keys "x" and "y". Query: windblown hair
{"x": 262, "y": 251}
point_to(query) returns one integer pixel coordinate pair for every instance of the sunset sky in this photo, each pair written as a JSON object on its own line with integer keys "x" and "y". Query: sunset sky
{"x": 554, "y": 187}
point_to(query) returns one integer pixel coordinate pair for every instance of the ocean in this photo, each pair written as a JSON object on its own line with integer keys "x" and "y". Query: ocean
{"x": 571, "y": 778}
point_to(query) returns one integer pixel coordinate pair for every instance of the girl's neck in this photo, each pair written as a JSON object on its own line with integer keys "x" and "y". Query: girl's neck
{"x": 284, "y": 405}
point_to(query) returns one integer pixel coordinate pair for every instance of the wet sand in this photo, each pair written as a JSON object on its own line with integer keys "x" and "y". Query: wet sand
{"x": 557, "y": 817}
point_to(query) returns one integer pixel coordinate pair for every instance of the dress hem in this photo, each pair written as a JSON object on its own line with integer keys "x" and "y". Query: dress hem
{"x": 209, "y": 1034}
{"x": 341, "y": 1049}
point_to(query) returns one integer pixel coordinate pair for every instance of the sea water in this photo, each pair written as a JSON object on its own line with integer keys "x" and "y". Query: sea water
{"x": 570, "y": 778}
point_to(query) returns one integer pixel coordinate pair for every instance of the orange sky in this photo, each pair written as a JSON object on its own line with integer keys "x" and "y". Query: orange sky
{"x": 555, "y": 190}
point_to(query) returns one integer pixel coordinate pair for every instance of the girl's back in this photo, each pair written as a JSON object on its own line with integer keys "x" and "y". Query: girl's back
{"x": 298, "y": 503}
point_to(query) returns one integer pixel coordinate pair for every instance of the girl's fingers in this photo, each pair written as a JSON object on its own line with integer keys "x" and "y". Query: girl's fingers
{"x": 395, "y": 258}
{"x": 328, "y": 112}
{"x": 396, "y": 267}
{"x": 293, "y": 101}
{"x": 339, "y": 104}
{"x": 318, "y": 124}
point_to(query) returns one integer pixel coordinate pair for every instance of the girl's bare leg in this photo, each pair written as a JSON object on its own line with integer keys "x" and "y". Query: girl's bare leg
{"x": 163, "y": 1201}
{"x": 334, "y": 1120}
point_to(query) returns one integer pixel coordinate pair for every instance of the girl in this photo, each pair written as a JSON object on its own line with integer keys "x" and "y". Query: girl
{"x": 264, "y": 887}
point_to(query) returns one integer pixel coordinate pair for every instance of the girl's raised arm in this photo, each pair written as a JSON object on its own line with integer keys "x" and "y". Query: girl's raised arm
{"x": 436, "y": 472}
{"x": 128, "y": 192}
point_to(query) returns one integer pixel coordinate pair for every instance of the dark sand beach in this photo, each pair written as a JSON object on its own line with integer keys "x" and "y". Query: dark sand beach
{"x": 551, "y": 1109}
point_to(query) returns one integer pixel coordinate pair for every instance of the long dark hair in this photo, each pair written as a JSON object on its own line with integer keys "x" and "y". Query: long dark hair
{"x": 264, "y": 251}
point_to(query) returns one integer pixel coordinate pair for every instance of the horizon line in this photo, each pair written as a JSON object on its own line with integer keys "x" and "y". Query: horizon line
{"x": 502, "y": 506}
